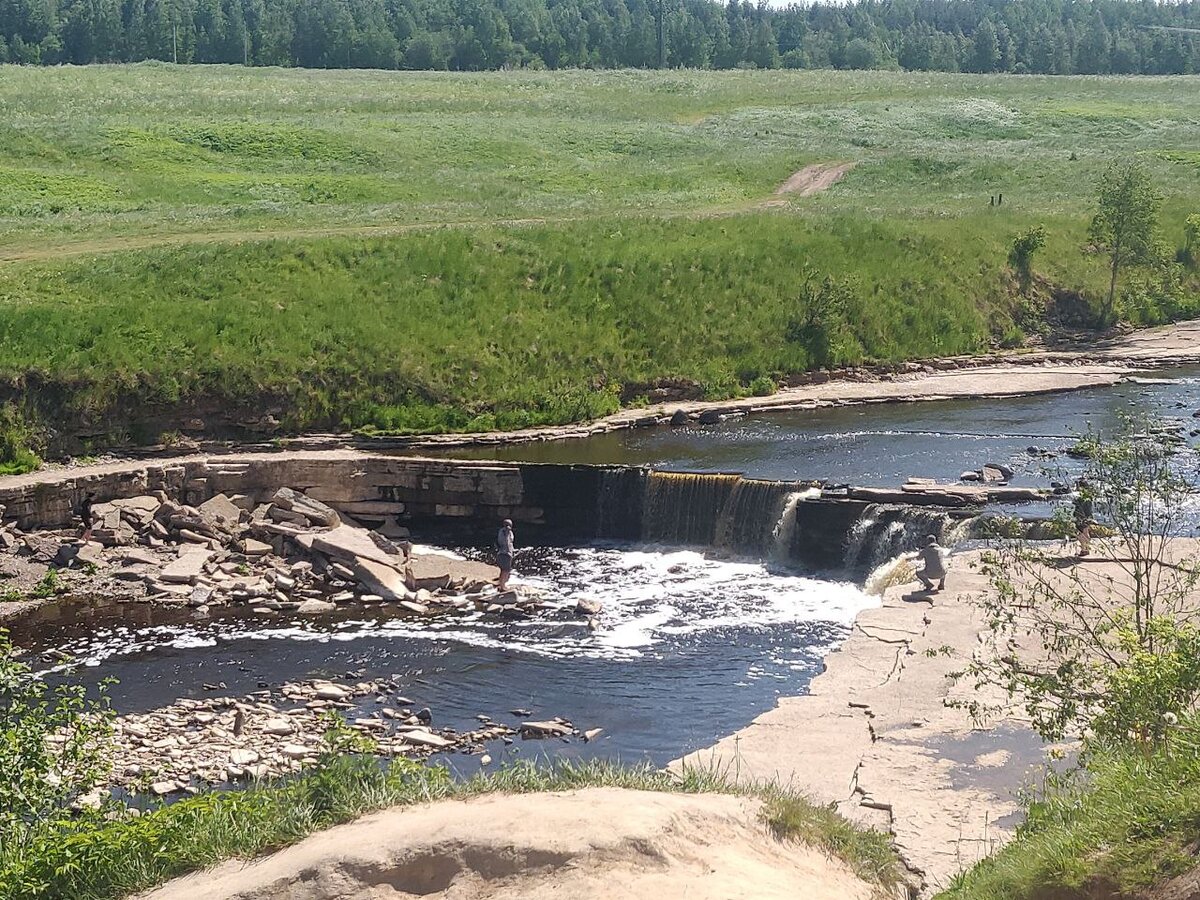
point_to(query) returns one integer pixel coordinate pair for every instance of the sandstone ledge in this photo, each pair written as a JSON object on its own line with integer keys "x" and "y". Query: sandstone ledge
{"x": 592, "y": 844}
{"x": 875, "y": 737}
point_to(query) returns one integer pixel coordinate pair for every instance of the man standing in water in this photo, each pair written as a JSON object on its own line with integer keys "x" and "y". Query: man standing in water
{"x": 935, "y": 564}
{"x": 504, "y": 553}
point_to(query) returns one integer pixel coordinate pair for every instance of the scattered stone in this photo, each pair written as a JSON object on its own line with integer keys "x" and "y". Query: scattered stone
{"x": 221, "y": 512}
{"x": 995, "y": 472}
{"x": 313, "y": 510}
{"x": 315, "y": 607}
{"x": 588, "y": 606}
{"x": 426, "y": 739}
{"x": 331, "y": 692}
{"x": 591, "y": 734}
{"x": 544, "y": 729}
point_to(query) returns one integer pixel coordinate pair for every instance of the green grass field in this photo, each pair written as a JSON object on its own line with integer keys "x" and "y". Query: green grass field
{"x": 422, "y": 251}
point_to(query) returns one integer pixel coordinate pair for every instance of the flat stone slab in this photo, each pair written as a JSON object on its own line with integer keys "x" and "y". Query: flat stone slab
{"x": 187, "y": 568}
{"x": 351, "y": 544}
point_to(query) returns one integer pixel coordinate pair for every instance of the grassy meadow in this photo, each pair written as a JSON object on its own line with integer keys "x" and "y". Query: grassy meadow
{"x": 431, "y": 251}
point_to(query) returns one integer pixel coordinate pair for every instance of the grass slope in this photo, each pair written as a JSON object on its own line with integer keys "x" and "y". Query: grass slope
{"x": 95, "y": 859}
{"x": 1120, "y": 827}
{"x": 219, "y": 238}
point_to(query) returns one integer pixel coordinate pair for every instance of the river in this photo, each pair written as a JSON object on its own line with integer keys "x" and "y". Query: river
{"x": 689, "y": 647}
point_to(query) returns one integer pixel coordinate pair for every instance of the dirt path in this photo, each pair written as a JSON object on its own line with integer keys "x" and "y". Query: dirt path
{"x": 813, "y": 179}
{"x": 590, "y": 844}
{"x": 809, "y": 180}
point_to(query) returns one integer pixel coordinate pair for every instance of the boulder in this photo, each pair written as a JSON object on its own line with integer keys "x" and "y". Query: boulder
{"x": 425, "y": 738}
{"x": 253, "y": 548}
{"x": 678, "y": 418}
{"x": 313, "y": 510}
{"x": 221, "y": 512}
{"x": 994, "y": 472}
{"x": 136, "y": 557}
{"x": 709, "y": 417}
{"x": 382, "y": 579}
{"x": 588, "y": 606}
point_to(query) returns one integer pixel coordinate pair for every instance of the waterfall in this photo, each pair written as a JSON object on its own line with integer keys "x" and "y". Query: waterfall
{"x": 752, "y": 514}
{"x": 746, "y": 516}
{"x": 619, "y": 503}
{"x": 783, "y": 535}
{"x": 884, "y": 532}
{"x": 685, "y": 507}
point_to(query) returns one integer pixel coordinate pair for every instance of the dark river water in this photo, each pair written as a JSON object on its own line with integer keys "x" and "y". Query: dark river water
{"x": 688, "y": 649}
{"x": 879, "y": 444}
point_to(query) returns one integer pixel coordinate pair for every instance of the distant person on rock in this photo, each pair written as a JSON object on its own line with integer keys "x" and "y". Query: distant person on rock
{"x": 85, "y": 516}
{"x": 1083, "y": 512}
{"x": 504, "y": 553}
{"x": 934, "y": 559}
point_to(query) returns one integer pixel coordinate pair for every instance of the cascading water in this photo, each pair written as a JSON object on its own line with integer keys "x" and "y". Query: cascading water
{"x": 619, "y": 503}
{"x": 748, "y": 517}
{"x": 783, "y": 535}
{"x": 685, "y": 507}
{"x": 884, "y": 532}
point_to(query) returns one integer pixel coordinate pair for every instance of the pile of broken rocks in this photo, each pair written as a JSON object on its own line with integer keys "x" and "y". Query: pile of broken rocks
{"x": 292, "y": 553}
{"x": 194, "y": 743}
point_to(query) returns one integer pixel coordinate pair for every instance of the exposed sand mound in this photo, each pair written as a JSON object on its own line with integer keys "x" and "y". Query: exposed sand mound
{"x": 595, "y": 843}
{"x": 814, "y": 179}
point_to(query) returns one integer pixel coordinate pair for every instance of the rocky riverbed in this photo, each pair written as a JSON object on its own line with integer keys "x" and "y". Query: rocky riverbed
{"x": 198, "y": 743}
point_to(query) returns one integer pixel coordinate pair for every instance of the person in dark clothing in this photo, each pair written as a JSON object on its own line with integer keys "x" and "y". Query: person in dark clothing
{"x": 1083, "y": 511}
{"x": 85, "y": 515}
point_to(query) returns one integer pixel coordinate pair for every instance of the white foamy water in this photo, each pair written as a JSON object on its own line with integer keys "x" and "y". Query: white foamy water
{"x": 654, "y": 600}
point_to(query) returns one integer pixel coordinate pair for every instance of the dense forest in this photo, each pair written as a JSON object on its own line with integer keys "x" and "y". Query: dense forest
{"x": 1021, "y": 36}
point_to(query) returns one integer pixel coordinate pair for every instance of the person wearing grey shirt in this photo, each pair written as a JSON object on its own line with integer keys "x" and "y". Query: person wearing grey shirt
{"x": 504, "y": 553}
{"x": 935, "y": 564}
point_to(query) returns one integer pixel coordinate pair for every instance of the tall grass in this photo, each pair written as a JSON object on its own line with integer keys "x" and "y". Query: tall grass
{"x": 479, "y": 329}
{"x": 97, "y": 859}
{"x": 1124, "y": 823}
{"x": 207, "y": 242}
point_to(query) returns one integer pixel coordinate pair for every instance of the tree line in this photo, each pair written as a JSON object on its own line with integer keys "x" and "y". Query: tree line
{"x": 1023, "y": 36}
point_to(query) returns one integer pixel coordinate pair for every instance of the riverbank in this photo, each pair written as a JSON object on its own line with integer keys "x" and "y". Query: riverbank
{"x": 875, "y": 737}
{"x": 1019, "y": 373}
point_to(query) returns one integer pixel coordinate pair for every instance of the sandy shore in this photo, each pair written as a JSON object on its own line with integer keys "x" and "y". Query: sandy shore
{"x": 875, "y": 737}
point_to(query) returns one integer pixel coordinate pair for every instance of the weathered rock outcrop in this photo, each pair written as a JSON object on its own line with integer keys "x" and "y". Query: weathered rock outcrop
{"x": 593, "y": 844}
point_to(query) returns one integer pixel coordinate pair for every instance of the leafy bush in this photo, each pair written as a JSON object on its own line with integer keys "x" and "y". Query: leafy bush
{"x": 53, "y": 748}
{"x": 1020, "y": 257}
{"x": 17, "y": 440}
